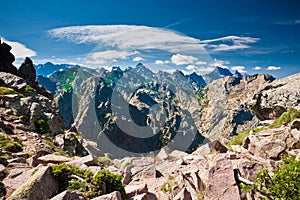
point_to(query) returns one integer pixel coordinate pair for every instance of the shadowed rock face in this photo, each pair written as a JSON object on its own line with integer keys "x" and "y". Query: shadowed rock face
{"x": 276, "y": 97}
{"x": 141, "y": 108}
{"x": 225, "y": 106}
{"x": 27, "y": 71}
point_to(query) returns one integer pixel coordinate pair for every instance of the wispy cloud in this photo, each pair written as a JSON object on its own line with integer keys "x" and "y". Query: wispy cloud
{"x": 131, "y": 42}
{"x": 273, "y": 68}
{"x": 287, "y": 23}
{"x": 229, "y": 43}
{"x": 240, "y": 69}
{"x": 178, "y": 22}
{"x": 19, "y": 50}
{"x": 128, "y": 37}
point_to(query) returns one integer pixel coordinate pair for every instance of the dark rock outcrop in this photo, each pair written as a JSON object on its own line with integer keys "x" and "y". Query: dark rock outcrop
{"x": 6, "y": 59}
{"x": 276, "y": 97}
{"x": 27, "y": 71}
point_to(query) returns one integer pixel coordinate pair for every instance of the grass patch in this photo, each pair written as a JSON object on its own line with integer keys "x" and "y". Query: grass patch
{"x": 169, "y": 185}
{"x": 6, "y": 91}
{"x": 56, "y": 150}
{"x": 8, "y": 145}
{"x": 73, "y": 178}
{"x": 104, "y": 161}
{"x": 28, "y": 89}
{"x": 286, "y": 117}
{"x": 42, "y": 127}
{"x": 238, "y": 140}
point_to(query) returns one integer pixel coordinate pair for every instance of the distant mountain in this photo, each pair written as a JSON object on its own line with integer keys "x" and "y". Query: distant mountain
{"x": 218, "y": 73}
{"x": 47, "y": 83}
{"x": 49, "y": 68}
{"x": 142, "y": 71}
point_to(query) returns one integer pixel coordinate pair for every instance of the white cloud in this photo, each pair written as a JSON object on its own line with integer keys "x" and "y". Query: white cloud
{"x": 130, "y": 38}
{"x": 179, "y": 59}
{"x": 199, "y": 70}
{"x": 106, "y": 58}
{"x": 161, "y": 62}
{"x": 240, "y": 69}
{"x": 19, "y": 50}
{"x": 257, "y": 68}
{"x": 138, "y": 59}
{"x": 273, "y": 68}
{"x": 236, "y": 42}
{"x": 219, "y": 63}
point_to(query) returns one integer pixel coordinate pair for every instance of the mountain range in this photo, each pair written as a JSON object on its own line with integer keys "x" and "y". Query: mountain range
{"x": 48, "y": 70}
{"x": 135, "y": 134}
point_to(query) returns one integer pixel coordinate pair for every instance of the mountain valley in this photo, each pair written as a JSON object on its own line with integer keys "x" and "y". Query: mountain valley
{"x": 135, "y": 134}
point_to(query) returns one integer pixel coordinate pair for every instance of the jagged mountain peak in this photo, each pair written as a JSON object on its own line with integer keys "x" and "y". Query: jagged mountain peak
{"x": 237, "y": 74}
{"x": 217, "y": 73}
{"x": 197, "y": 78}
{"x": 223, "y": 71}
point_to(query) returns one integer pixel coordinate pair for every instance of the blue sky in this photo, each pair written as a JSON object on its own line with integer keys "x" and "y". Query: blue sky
{"x": 191, "y": 35}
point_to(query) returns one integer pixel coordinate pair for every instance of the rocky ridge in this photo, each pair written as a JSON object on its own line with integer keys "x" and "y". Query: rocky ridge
{"x": 224, "y": 109}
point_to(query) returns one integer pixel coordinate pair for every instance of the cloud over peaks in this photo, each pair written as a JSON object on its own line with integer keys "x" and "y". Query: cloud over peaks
{"x": 273, "y": 68}
{"x": 240, "y": 69}
{"x": 229, "y": 43}
{"x": 19, "y": 50}
{"x": 124, "y": 44}
{"x": 257, "y": 68}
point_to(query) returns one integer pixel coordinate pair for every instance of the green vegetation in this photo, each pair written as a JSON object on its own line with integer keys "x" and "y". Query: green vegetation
{"x": 112, "y": 182}
{"x": 42, "y": 127}
{"x": 201, "y": 195}
{"x": 200, "y": 94}
{"x": 104, "y": 161}
{"x": 284, "y": 184}
{"x": 238, "y": 140}
{"x": 73, "y": 178}
{"x": 28, "y": 89}
{"x": 286, "y": 117}
{"x": 169, "y": 185}
{"x": 63, "y": 174}
{"x": 8, "y": 145}
{"x": 55, "y": 149}
{"x": 6, "y": 90}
